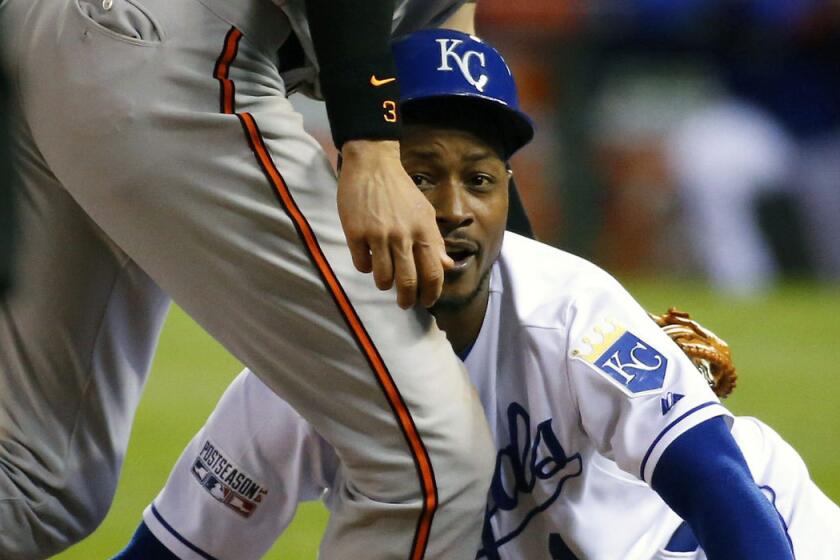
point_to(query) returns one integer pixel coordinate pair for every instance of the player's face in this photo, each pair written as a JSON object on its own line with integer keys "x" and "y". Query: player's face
{"x": 467, "y": 183}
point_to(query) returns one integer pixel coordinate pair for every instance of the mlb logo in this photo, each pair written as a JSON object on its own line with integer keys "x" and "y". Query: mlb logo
{"x": 199, "y": 470}
{"x": 242, "y": 506}
{"x": 636, "y": 366}
{"x": 216, "y": 488}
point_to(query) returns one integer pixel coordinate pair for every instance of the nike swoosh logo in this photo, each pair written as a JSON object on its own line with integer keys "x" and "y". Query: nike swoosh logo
{"x": 376, "y": 82}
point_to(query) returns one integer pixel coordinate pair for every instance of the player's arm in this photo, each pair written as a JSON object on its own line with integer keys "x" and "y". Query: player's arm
{"x": 704, "y": 478}
{"x": 389, "y": 225}
{"x": 463, "y": 19}
{"x": 645, "y": 405}
{"x": 702, "y": 475}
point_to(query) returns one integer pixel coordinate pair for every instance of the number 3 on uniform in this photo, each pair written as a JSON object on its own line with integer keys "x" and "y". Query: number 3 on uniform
{"x": 390, "y": 111}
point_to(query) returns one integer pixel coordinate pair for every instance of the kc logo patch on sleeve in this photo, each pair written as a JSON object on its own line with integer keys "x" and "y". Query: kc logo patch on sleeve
{"x": 628, "y": 361}
{"x": 226, "y": 482}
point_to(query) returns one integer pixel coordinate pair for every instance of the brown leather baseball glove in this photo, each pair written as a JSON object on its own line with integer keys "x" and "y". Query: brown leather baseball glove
{"x": 706, "y": 350}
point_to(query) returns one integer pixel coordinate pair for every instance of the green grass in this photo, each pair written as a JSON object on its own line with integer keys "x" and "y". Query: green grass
{"x": 786, "y": 347}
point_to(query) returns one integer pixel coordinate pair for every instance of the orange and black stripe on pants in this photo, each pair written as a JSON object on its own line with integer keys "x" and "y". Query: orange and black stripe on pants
{"x": 307, "y": 236}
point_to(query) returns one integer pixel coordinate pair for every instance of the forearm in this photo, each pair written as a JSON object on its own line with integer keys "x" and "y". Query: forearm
{"x": 704, "y": 478}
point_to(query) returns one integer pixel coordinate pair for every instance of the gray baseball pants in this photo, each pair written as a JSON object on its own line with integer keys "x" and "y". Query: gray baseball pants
{"x": 160, "y": 158}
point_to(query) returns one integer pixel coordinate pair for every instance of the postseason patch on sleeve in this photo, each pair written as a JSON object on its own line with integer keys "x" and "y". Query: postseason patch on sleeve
{"x": 624, "y": 358}
{"x": 226, "y": 481}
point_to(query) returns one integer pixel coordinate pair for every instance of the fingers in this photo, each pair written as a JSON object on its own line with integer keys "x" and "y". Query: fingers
{"x": 405, "y": 274}
{"x": 383, "y": 266}
{"x": 419, "y": 272}
{"x": 445, "y": 260}
{"x": 390, "y": 227}
{"x": 430, "y": 269}
{"x": 391, "y": 262}
{"x": 360, "y": 252}
{"x": 415, "y": 269}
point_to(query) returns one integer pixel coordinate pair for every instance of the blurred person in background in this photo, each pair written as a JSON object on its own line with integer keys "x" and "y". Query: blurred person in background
{"x": 717, "y": 122}
{"x": 758, "y": 165}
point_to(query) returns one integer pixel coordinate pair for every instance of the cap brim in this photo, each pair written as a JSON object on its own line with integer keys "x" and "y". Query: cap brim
{"x": 516, "y": 128}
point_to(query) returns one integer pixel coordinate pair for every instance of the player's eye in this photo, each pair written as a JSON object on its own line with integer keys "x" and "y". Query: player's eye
{"x": 482, "y": 182}
{"x": 422, "y": 181}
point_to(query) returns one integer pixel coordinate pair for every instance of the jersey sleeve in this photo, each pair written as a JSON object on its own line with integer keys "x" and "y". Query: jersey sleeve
{"x": 635, "y": 390}
{"x": 237, "y": 485}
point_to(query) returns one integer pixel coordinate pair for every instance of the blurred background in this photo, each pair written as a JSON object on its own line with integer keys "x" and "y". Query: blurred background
{"x": 700, "y": 137}
{"x": 691, "y": 148}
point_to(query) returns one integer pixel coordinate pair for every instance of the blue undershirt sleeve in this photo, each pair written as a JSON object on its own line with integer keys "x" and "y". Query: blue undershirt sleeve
{"x": 704, "y": 478}
{"x": 145, "y": 546}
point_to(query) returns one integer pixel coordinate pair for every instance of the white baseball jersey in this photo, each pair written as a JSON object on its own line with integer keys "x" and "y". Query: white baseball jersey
{"x": 583, "y": 393}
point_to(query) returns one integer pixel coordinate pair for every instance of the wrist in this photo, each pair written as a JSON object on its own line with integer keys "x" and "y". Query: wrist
{"x": 359, "y": 149}
{"x": 357, "y": 73}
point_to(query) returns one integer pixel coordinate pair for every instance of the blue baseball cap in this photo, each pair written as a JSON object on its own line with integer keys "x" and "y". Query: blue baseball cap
{"x": 434, "y": 65}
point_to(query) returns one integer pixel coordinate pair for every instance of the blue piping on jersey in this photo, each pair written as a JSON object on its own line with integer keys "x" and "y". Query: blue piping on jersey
{"x": 667, "y": 428}
{"x": 779, "y": 513}
{"x": 178, "y": 536}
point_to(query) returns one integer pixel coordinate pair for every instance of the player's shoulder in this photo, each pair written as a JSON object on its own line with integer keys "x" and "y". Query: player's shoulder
{"x": 546, "y": 285}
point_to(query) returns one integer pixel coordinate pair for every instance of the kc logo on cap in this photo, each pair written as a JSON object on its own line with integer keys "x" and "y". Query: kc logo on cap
{"x": 449, "y": 54}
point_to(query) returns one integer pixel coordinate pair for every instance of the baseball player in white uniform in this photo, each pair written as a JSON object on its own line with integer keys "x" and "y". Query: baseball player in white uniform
{"x": 160, "y": 158}
{"x": 610, "y": 443}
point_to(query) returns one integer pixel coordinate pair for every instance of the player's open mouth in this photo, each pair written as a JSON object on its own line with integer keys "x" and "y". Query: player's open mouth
{"x": 461, "y": 251}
